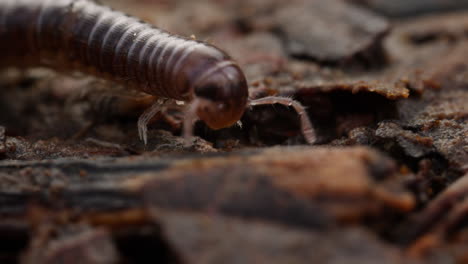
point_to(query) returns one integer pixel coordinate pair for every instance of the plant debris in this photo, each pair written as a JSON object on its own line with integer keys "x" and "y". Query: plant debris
{"x": 387, "y": 182}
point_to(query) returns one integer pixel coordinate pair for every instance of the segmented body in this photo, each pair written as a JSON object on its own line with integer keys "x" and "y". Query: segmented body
{"x": 85, "y": 36}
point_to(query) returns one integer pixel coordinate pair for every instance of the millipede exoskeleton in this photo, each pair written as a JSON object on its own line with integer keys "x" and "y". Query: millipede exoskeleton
{"x": 81, "y": 35}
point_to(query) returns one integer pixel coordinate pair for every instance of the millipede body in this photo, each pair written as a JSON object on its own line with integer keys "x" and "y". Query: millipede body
{"x": 81, "y": 35}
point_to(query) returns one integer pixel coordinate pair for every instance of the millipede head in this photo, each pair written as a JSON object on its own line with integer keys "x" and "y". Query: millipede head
{"x": 221, "y": 94}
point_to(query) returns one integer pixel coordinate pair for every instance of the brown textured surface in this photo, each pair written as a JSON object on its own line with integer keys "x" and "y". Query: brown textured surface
{"x": 73, "y": 244}
{"x": 204, "y": 239}
{"x": 405, "y": 8}
{"x": 297, "y": 186}
{"x": 387, "y": 183}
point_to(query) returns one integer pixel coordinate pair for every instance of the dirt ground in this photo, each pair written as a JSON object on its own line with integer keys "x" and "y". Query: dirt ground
{"x": 385, "y": 84}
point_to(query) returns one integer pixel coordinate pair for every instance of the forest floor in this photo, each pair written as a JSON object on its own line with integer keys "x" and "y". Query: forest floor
{"x": 385, "y": 84}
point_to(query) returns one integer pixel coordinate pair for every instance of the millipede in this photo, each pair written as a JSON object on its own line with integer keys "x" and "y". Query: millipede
{"x": 85, "y": 36}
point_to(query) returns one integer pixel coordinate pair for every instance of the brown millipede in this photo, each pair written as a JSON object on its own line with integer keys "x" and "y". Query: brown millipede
{"x": 81, "y": 35}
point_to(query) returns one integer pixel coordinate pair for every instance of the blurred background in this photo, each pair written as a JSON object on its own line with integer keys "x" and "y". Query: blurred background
{"x": 384, "y": 82}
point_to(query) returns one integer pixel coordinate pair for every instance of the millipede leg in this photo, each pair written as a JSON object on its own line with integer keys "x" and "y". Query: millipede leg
{"x": 174, "y": 122}
{"x": 147, "y": 116}
{"x": 189, "y": 120}
{"x": 306, "y": 126}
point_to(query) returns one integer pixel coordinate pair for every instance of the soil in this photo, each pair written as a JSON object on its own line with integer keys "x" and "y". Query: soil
{"x": 385, "y": 86}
